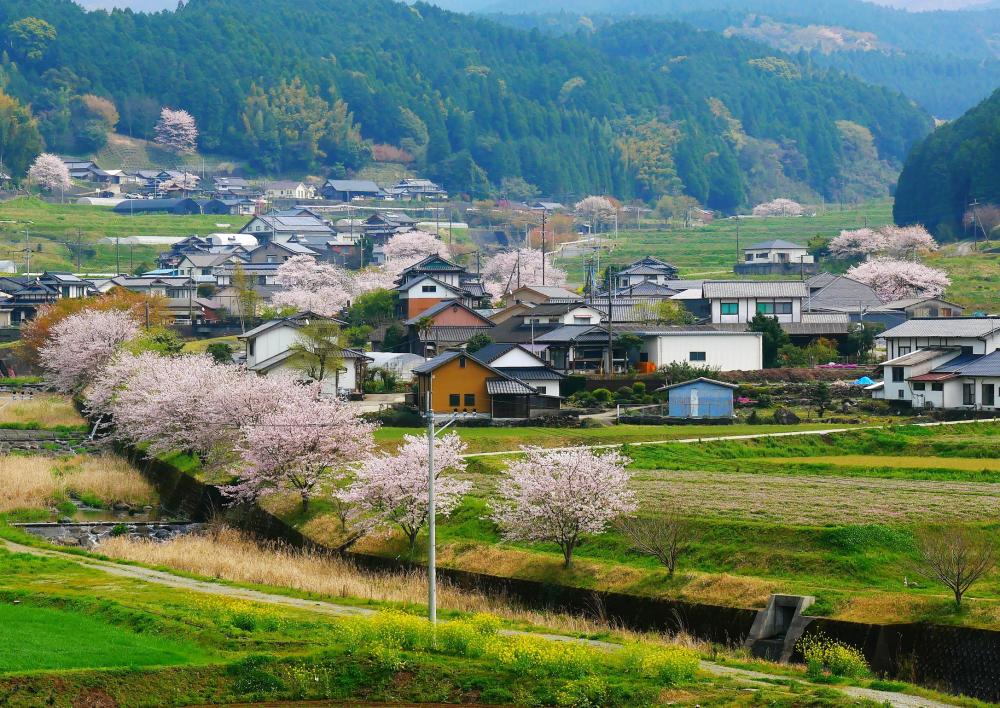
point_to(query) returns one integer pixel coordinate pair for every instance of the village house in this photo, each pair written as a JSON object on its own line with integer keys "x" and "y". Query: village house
{"x": 459, "y": 382}
{"x": 282, "y": 227}
{"x": 542, "y": 295}
{"x": 345, "y": 190}
{"x": 646, "y": 270}
{"x": 279, "y": 252}
{"x": 433, "y": 280}
{"x": 289, "y": 189}
{"x": 949, "y": 363}
{"x": 447, "y": 324}
{"x": 776, "y": 257}
{"x": 271, "y": 347}
{"x": 417, "y": 189}
{"x": 519, "y": 363}
{"x": 201, "y": 267}
{"x": 920, "y": 307}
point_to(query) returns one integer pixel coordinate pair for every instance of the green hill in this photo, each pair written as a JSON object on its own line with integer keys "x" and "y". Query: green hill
{"x": 637, "y": 109}
{"x": 957, "y": 164}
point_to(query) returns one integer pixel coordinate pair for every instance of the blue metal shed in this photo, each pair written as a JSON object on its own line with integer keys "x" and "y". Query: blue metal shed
{"x": 701, "y": 398}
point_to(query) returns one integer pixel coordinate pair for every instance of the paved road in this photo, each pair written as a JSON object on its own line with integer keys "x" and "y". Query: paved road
{"x": 751, "y": 436}
{"x": 752, "y": 678}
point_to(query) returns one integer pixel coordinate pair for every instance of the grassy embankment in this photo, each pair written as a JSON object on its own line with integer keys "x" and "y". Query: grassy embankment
{"x": 53, "y": 230}
{"x": 41, "y": 411}
{"x": 831, "y": 516}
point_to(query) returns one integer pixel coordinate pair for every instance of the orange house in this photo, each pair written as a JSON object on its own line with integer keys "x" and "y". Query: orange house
{"x": 460, "y": 383}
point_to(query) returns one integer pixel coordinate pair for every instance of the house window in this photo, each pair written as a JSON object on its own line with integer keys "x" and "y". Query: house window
{"x": 783, "y": 308}
{"x": 251, "y": 346}
{"x": 461, "y": 362}
{"x": 903, "y": 351}
{"x": 581, "y": 320}
{"x": 698, "y": 356}
{"x": 901, "y": 394}
{"x": 730, "y": 308}
{"x": 939, "y": 387}
{"x": 643, "y": 356}
{"x": 919, "y": 386}
{"x": 470, "y": 400}
{"x": 428, "y": 289}
{"x": 897, "y": 374}
{"x": 454, "y": 400}
{"x": 765, "y": 308}
{"x": 541, "y": 390}
{"x": 988, "y": 395}
{"x": 272, "y": 259}
{"x": 946, "y": 312}
{"x": 968, "y": 394}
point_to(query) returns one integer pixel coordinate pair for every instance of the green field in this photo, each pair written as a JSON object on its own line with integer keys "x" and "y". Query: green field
{"x": 37, "y": 638}
{"x": 54, "y": 229}
{"x": 826, "y": 515}
{"x": 512, "y": 439}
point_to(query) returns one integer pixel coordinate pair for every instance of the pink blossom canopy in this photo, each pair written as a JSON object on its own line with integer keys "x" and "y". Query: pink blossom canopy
{"x": 895, "y": 279}
{"x": 81, "y": 344}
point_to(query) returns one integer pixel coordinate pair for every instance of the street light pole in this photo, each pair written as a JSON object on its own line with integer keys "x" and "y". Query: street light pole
{"x": 431, "y": 525}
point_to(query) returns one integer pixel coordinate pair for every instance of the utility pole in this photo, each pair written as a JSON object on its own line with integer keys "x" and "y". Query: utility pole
{"x": 27, "y": 252}
{"x": 118, "y": 263}
{"x": 611, "y": 317}
{"x": 79, "y": 250}
{"x": 737, "y": 238}
{"x": 976, "y": 222}
{"x": 543, "y": 246}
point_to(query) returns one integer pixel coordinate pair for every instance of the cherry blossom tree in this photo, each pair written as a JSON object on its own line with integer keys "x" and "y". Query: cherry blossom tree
{"x": 81, "y": 344}
{"x": 908, "y": 240}
{"x": 505, "y": 271}
{"x": 186, "y": 403}
{"x": 859, "y": 242}
{"x": 50, "y": 173}
{"x": 317, "y": 287}
{"x": 409, "y": 247}
{"x": 897, "y": 241}
{"x": 390, "y": 490}
{"x": 895, "y": 279}
{"x": 596, "y": 209}
{"x": 779, "y": 207}
{"x": 561, "y": 495}
{"x": 305, "y": 443}
{"x": 372, "y": 278}
{"x": 176, "y": 130}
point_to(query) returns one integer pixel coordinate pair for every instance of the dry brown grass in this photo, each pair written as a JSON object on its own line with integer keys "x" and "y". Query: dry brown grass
{"x": 39, "y": 482}
{"x": 45, "y": 409}
{"x": 226, "y": 554}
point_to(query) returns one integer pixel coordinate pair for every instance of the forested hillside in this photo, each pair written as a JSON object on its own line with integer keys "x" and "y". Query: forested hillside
{"x": 958, "y": 164}
{"x": 946, "y": 61}
{"x": 636, "y": 109}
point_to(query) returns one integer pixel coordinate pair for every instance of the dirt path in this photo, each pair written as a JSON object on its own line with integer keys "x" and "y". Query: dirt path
{"x": 751, "y": 436}
{"x": 752, "y": 678}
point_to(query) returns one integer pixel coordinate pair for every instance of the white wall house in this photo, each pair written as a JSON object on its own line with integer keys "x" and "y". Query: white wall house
{"x": 777, "y": 251}
{"x": 563, "y": 314}
{"x": 269, "y": 349}
{"x": 943, "y": 363}
{"x": 727, "y": 351}
{"x": 524, "y": 366}
{"x": 737, "y": 301}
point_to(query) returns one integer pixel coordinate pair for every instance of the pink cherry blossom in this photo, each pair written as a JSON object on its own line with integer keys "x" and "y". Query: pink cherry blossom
{"x": 505, "y": 271}
{"x": 317, "y": 287}
{"x": 561, "y": 495}
{"x": 409, "y": 247}
{"x": 779, "y": 207}
{"x": 890, "y": 240}
{"x": 299, "y": 446}
{"x": 176, "y": 130}
{"x": 391, "y": 489}
{"x": 859, "y": 242}
{"x": 83, "y": 343}
{"x": 895, "y": 279}
{"x": 50, "y": 173}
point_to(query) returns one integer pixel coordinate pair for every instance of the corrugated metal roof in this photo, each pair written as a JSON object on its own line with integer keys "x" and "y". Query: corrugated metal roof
{"x": 920, "y": 356}
{"x": 715, "y": 289}
{"x": 934, "y": 377}
{"x": 508, "y": 387}
{"x": 945, "y": 327}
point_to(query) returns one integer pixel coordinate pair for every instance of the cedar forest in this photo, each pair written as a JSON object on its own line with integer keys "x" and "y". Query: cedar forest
{"x": 638, "y": 109}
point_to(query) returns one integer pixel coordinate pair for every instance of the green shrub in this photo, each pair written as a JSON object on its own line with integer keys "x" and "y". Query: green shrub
{"x": 602, "y": 395}
{"x": 669, "y": 665}
{"x": 639, "y": 388}
{"x": 243, "y": 620}
{"x": 119, "y": 530}
{"x": 825, "y": 656}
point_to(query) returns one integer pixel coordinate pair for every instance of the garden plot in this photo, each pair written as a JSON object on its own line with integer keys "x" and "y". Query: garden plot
{"x": 813, "y": 499}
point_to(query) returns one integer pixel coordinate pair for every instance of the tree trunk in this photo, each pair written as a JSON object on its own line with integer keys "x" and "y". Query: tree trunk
{"x": 305, "y": 501}
{"x": 567, "y": 549}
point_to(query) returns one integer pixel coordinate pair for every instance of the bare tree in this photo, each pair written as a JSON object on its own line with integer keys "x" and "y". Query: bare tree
{"x": 665, "y": 537}
{"x": 956, "y": 556}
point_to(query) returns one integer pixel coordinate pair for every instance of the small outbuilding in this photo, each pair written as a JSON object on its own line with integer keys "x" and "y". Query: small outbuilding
{"x": 701, "y": 398}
